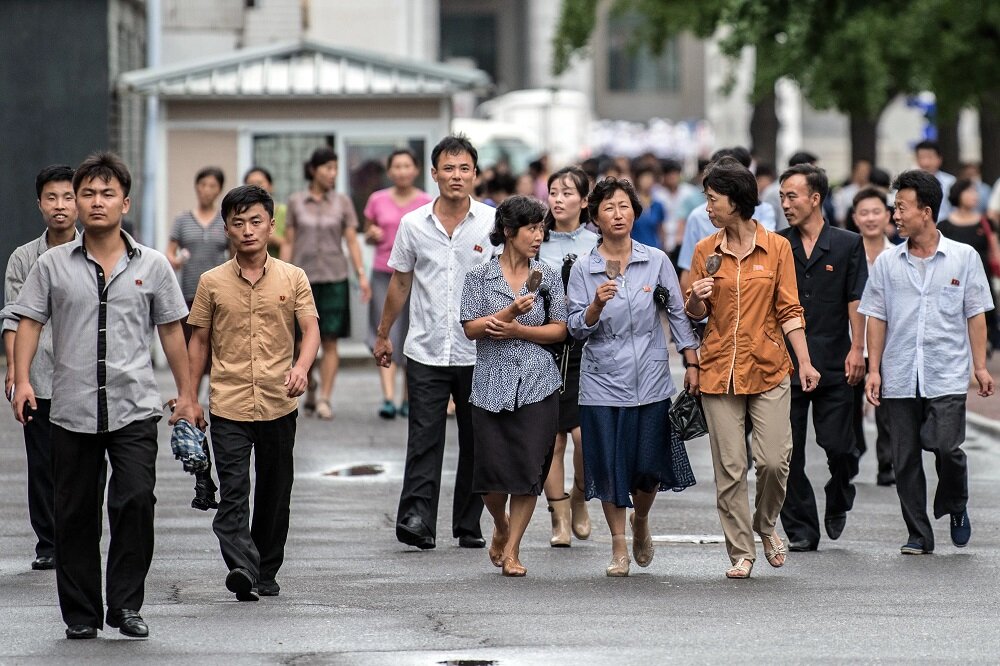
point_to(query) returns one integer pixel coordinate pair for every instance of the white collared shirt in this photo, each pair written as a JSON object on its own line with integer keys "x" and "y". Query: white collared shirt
{"x": 439, "y": 263}
{"x": 926, "y": 315}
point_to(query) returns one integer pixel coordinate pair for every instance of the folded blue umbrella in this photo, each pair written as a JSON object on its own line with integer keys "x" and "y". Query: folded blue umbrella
{"x": 186, "y": 443}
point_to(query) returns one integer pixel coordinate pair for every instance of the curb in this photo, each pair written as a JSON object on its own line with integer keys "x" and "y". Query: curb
{"x": 983, "y": 424}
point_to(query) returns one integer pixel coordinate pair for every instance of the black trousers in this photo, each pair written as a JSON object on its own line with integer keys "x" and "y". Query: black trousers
{"x": 429, "y": 389}
{"x": 883, "y": 450}
{"x": 38, "y": 451}
{"x": 260, "y": 548}
{"x": 928, "y": 424}
{"x": 832, "y": 408}
{"x": 77, "y": 465}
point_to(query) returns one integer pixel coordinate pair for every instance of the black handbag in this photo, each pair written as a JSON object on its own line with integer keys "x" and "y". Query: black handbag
{"x": 687, "y": 418}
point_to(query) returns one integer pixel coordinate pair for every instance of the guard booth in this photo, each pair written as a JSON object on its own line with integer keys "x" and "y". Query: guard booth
{"x": 272, "y": 106}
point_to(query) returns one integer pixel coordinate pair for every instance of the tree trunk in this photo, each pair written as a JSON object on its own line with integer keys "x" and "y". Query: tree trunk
{"x": 764, "y": 129}
{"x": 947, "y": 128}
{"x": 864, "y": 138}
{"x": 989, "y": 134}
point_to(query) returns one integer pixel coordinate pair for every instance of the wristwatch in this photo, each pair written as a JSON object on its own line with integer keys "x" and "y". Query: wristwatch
{"x": 691, "y": 365}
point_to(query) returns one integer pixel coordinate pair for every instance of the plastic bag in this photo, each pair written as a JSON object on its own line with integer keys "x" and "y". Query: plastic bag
{"x": 687, "y": 418}
{"x": 185, "y": 442}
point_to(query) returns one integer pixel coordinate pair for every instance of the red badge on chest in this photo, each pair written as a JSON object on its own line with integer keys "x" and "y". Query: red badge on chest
{"x": 138, "y": 283}
{"x": 955, "y": 282}
{"x": 829, "y": 268}
{"x": 477, "y": 248}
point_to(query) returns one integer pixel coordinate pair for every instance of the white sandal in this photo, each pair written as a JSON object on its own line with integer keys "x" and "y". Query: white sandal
{"x": 741, "y": 569}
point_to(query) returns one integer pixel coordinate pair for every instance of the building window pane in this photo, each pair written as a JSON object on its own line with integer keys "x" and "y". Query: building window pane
{"x": 633, "y": 67}
{"x": 473, "y": 36}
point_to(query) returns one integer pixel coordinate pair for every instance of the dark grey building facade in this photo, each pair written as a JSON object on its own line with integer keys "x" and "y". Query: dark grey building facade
{"x": 59, "y": 63}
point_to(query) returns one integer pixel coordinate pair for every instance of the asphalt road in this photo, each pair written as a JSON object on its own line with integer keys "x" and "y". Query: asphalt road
{"x": 350, "y": 594}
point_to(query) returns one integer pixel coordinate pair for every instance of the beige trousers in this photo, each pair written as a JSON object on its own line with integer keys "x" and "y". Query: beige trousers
{"x": 772, "y": 451}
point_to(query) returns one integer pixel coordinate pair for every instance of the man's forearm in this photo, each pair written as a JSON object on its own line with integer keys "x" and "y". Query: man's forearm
{"x": 309, "y": 346}
{"x": 857, "y": 325}
{"x": 977, "y": 340}
{"x": 8, "y": 347}
{"x": 172, "y": 339}
{"x": 876, "y": 343}
{"x": 25, "y": 346}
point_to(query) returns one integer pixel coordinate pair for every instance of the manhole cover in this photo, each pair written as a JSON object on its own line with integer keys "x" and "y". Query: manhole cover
{"x": 370, "y": 469}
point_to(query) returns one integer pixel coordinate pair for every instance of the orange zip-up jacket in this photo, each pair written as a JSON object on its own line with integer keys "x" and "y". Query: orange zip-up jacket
{"x": 754, "y": 301}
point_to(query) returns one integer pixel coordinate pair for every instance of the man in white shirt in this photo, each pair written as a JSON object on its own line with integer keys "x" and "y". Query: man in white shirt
{"x": 435, "y": 246}
{"x": 928, "y": 156}
{"x": 925, "y": 301}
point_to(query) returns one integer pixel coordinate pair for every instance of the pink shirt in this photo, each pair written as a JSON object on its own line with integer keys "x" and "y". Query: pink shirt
{"x": 386, "y": 214}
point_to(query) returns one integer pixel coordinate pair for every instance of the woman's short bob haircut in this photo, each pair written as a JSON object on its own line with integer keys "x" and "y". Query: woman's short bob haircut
{"x": 319, "y": 157}
{"x": 732, "y": 179}
{"x": 578, "y": 177}
{"x": 605, "y": 189}
{"x": 512, "y": 214}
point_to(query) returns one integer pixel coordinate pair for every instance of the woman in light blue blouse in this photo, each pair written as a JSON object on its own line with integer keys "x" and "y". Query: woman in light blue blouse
{"x": 515, "y": 404}
{"x": 629, "y": 449}
{"x": 568, "y": 239}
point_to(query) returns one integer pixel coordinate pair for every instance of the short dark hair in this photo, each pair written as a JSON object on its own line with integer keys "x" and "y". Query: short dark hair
{"x": 739, "y": 153}
{"x": 765, "y": 169}
{"x": 319, "y": 157}
{"x": 512, "y": 214}
{"x": 731, "y": 178}
{"x": 54, "y": 173}
{"x": 928, "y": 144}
{"x": 581, "y": 182}
{"x": 501, "y": 182}
{"x": 605, "y": 189}
{"x": 642, "y": 168}
{"x": 925, "y": 186}
{"x": 870, "y": 193}
{"x": 261, "y": 170}
{"x": 401, "y": 151}
{"x": 802, "y": 157}
{"x": 955, "y": 193}
{"x": 241, "y": 198}
{"x": 453, "y": 144}
{"x": 104, "y": 165}
{"x": 880, "y": 177}
{"x": 815, "y": 178}
{"x": 670, "y": 165}
{"x": 213, "y": 172}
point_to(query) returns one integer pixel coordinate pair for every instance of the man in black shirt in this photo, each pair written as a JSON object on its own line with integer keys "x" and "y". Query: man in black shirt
{"x": 831, "y": 271}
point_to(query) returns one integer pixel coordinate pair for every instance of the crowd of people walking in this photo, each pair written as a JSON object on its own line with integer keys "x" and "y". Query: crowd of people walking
{"x": 543, "y": 321}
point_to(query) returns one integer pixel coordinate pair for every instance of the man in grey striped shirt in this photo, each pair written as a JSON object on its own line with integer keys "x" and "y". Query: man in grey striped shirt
{"x": 103, "y": 293}
{"x": 57, "y": 203}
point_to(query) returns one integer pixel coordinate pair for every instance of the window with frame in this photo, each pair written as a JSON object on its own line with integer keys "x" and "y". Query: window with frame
{"x": 633, "y": 66}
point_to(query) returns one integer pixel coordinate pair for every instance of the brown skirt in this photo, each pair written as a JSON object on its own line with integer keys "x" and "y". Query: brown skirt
{"x": 514, "y": 449}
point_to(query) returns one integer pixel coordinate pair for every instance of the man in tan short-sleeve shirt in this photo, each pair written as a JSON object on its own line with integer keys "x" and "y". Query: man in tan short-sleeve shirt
{"x": 246, "y": 310}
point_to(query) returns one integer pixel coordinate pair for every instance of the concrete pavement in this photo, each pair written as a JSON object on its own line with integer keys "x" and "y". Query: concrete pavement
{"x": 352, "y": 595}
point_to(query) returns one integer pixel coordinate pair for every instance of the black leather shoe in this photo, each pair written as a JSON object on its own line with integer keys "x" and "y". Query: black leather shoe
{"x": 469, "y": 541}
{"x": 240, "y": 582}
{"x": 43, "y": 563}
{"x": 81, "y": 631}
{"x": 413, "y": 532}
{"x": 128, "y": 622}
{"x": 835, "y": 523}
{"x": 204, "y": 492}
{"x": 886, "y": 479}
{"x": 268, "y": 588}
{"x": 801, "y": 546}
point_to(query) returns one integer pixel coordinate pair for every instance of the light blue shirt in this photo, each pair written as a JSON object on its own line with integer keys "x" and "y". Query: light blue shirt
{"x": 580, "y": 241}
{"x": 927, "y": 332}
{"x": 699, "y": 226}
{"x": 625, "y": 356}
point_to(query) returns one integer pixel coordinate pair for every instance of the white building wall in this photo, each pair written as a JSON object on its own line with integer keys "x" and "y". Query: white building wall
{"x": 543, "y": 19}
{"x": 401, "y": 28}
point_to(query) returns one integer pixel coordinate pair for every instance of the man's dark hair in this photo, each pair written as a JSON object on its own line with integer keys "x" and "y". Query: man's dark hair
{"x": 261, "y": 170}
{"x": 605, "y": 189}
{"x": 104, "y": 165}
{"x": 815, "y": 177}
{"x": 240, "y": 199}
{"x": 454, "y": 144}
{"x": 928, "y": 144}
{"x": 401, "y": 151}
{"x": 730, "y": 177}
{"x": 642, "y": 168}
{"x": 739, "y": 153}
{"x": 870, "y": 193}
{"x": 955, "y": 193}
{"x": 926, "y": 187}
{"x": 802, "y": 157}
{"x": 319, "y": 157}
{"x": 54, "y": 173}
{"x": 670, "y": 165}
{"x": 213, "y": 172}
{"x": 501, "y": 183}
{"x": 512, "y": 214}
{"x": 880, "y": 178}
{"x": 581, "y": 182}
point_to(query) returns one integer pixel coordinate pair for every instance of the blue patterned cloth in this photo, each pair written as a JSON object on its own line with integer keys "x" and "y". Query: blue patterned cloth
{"x": 511, "y": 373}
{"x": 185, "y": 442}
{"x": 631, "y": 448}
